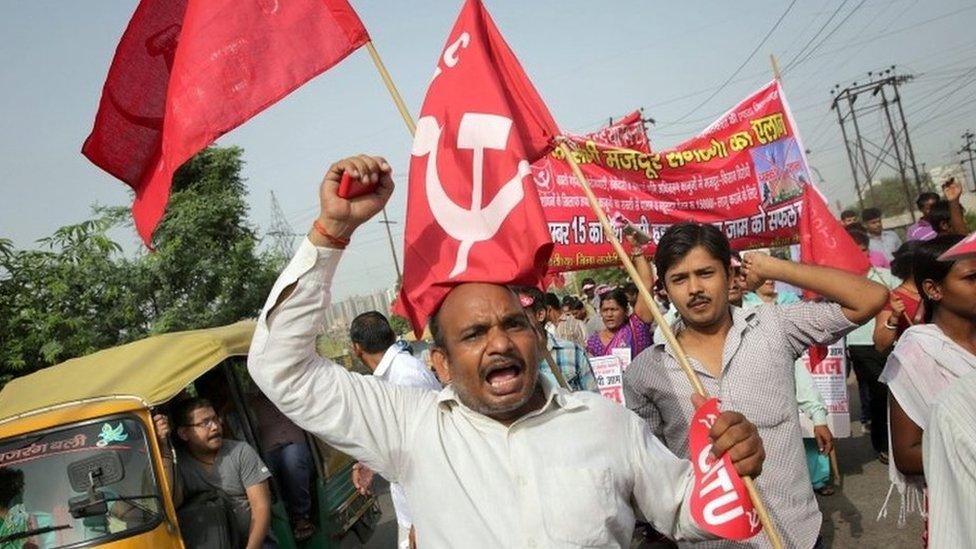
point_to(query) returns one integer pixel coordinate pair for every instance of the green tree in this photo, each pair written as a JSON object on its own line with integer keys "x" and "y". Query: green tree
{"x": 400, "y": 325}
{"x": 80, "y": 293}
{"x": 889, "y": 195}
{"x": 206, "y": 270}
{"x": 69, "y": 298}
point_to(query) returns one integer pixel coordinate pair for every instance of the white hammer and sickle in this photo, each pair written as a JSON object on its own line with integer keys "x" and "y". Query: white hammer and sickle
{"x": 476, "y": 132}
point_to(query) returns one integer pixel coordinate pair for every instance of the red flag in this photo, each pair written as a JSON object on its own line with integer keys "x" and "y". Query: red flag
{"x": 720, "y": 503}
{"x": 188, "y": 71}
{"x": 823, "y": 240}
{"x": 473, "y": 215}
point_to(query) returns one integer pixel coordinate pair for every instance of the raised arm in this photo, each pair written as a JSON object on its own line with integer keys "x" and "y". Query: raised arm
{"x": 860, "y": 299}
{"x": 358, "y": 415}
{"x": 646, "y": 273}
{"x": 957, "y": 221}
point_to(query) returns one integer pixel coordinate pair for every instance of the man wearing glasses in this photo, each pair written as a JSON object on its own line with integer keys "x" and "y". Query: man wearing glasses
{"x": 206, "y": 462}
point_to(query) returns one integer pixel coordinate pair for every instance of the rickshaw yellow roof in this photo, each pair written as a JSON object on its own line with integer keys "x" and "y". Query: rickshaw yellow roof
{"x": 155, "y": 369}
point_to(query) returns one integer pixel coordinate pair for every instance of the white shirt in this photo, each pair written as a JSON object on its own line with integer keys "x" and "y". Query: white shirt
{"x": 949, "y": 452}
{"x": 562, "y": 476}
{"x": 922, "y": 365}
{"x": 887, "y": 243}
{"x": 399, "y": 367}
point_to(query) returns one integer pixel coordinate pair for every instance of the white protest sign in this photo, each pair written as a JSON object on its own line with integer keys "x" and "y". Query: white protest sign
{"x": 609, "y": 373}
{"x": 830, "y": 378}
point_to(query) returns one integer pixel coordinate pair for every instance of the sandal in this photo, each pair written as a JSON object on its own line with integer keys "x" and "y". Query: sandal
{"x": 825, "y": 490}
{"x": 883, "y": 457}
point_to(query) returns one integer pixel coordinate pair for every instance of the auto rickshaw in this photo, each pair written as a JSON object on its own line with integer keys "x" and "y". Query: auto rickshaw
{"x": 77, "y": 442}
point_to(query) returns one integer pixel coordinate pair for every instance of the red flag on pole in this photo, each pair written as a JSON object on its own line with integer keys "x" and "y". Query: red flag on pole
{"x": 720, "y": 503}
{"x": 823, "y": 240}
{"x": 473, "y": 214}
{"x": 188, "y": 71}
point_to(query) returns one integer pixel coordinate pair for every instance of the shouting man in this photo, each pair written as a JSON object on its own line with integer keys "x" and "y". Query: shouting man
{"x": 500, "y": 457}
{"x": 746, "y": 358}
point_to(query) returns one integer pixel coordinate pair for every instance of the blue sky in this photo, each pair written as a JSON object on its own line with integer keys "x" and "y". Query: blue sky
{"x": 589, "y": 60}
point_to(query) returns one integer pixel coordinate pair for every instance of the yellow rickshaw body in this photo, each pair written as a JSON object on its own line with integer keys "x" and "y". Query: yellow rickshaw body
{"x": 129, "y": 379}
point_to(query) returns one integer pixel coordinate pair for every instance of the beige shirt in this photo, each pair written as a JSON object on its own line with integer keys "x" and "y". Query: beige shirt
{"x": 563, "y": 476}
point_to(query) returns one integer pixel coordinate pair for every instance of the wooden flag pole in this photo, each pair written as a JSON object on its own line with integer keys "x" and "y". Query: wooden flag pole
{"x": 776, "y": 74}
{"x": 388, "y": 81}
{"x": 544, "y": 349}
{"x": 632, "y": 271}
{"x": 645, "y": 294}
{"x": 412, "y": 128}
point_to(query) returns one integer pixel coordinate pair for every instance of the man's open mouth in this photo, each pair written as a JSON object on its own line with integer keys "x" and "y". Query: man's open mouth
{"x": 504, "y": 378}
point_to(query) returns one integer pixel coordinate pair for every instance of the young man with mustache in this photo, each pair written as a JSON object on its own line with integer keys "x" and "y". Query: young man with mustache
{"x": 500, "y": 457}
{"x": 746, "y": 358}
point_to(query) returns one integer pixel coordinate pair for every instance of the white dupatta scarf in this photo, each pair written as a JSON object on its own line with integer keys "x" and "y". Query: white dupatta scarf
{"x": 923, "y": 363}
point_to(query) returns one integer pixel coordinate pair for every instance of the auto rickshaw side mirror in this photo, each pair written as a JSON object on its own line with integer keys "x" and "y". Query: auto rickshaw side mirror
{"x": 85, "y": 475}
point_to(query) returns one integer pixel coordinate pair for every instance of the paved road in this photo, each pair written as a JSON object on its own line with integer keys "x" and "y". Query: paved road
{"x": 849, "y": 515}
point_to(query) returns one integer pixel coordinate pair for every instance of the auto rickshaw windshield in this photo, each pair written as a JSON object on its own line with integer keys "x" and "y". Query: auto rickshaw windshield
{"x": 83, "y": 483}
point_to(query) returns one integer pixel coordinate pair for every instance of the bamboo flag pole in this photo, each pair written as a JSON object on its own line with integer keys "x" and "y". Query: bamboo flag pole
{"x": 412, "y": 128}
{"x": 776, "y": 74}
{"x": 645, "y": 294}
{"x": 388, "y": 81}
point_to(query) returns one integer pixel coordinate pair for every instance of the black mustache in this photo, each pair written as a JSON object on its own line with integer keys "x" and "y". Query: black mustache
{"x": 696, "y": 300}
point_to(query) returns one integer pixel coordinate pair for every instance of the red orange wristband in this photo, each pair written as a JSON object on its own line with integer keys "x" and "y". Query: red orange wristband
{"x": 335, "y": 241}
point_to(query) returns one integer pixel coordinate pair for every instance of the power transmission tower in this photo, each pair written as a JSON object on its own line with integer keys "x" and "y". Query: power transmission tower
{"x": 968, "y": 149}
{"x": 868, "y": 153}
{"x": 281, "y": 233}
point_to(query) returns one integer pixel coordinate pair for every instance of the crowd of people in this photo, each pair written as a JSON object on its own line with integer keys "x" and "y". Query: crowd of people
{"x": 504, "y": 440}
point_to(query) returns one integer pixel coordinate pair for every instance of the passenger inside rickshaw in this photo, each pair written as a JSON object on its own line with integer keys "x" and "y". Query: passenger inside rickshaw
{"x": 280, "y": 443}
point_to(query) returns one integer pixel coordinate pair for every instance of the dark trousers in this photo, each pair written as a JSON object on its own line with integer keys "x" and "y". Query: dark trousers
{"x": 868, "y": 364}
{"x": 292, "y": 467}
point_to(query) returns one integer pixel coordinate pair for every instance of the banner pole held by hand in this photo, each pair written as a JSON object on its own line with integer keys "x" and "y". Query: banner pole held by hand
{"x": 645, "y": 294}
{"x": 642, "y": 289}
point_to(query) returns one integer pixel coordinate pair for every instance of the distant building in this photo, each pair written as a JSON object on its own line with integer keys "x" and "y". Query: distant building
{"x": 341, "y": 313}
{"x": 941, "y": 174}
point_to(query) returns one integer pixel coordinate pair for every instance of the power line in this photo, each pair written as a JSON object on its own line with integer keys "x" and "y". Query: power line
{"x": 741, "y": 65}
{"x": 859, "y": 42}
{"x": 824, "y": 39}
{"x": 815, "y": 35}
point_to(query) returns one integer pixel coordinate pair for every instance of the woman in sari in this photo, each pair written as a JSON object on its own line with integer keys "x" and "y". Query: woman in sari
{"x": 622, "y": 328}
{"x": 904, "y": 302}
{"x": 926, "y": 359}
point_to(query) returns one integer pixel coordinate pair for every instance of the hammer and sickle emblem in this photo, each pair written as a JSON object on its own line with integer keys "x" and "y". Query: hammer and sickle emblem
{"x": 478, "y": 223}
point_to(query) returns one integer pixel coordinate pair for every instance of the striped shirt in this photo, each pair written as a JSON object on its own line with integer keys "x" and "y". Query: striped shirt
{"x": 949, "y": 452}
{"x": 758, "y": 381}
{"x": 571, "y": 360}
